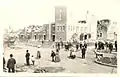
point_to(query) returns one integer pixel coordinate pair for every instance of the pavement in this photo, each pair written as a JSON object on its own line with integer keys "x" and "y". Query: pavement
{"x": 77, "y": 65}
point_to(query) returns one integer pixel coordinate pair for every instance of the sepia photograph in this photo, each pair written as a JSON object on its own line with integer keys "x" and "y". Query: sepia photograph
{"x": 60, "y": 37}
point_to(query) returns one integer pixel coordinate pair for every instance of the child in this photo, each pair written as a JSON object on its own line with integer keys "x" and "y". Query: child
{"x": 72, "y": 53}
{"x": 33, "y": 59}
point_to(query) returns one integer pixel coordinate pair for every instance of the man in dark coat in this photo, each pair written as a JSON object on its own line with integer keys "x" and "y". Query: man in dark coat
{"x": 85, "y": 44}
{"x": 58, "y": 45}
{"x": 83, "y": 52}
{"x": 110, "y": 47}
{"x": 102, "y": 45}
{"x": 11, "y": 64}
{"x": 95, "y": 45}
{"x": 80, "y": 45}
{"x": 77, "y": 46}
{"x": 27, "y": 57}
{"x": 116, "y": 45}
{"x": 3, "y": 63}
{"x": 53, "y": 56}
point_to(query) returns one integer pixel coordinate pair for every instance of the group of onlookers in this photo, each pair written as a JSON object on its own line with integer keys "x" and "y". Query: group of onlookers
{"x": 55, "y": 57}
{"x": 11, "y": 62}
{"x": 78, "y": 46}
{"x": 108, "y": 45}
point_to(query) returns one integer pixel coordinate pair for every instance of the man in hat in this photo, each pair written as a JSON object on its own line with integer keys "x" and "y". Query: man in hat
{"x": 11, "y": 64}
{"x": 53, "y": 56}
{"x": 116, "y": 45}
{"x": 77, "y": 46}
{"x": 95, "y": 45}
{"x": 27, "y": 57}
{"x": 83, "y": 52}
{"x": 110, "y": 47}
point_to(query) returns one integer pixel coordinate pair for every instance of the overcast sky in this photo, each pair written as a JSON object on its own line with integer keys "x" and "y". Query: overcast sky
{"x": 20, "y": 13}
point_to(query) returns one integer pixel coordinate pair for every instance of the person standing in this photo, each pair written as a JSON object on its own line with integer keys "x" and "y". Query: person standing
{"x": 33, "y": 59}
{"x": 102, "y": 45}
{"x": 110, "y": 47}
{"x": 95, "y": 45}
{"x": 27, "y": 57}
{"x": 116, "y": 45}
{"x": 38, "y": 54}
{"x": 83, "y": 52}
{"x": 58, "y": 45}
{"x": 11, "y": 64}
{"x": 80, "y": 45}
{"x": 85, "y": 44}
{"x": 53, "y": 56}
{"x": 3, "y": 63}
{"x": 42, "y": 42}
{"x": 66, "y": 47}
{"x": 77, "y": 46}
{"x": 57, "y": 57}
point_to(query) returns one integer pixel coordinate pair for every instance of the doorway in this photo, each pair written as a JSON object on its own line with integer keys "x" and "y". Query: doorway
{"x": 85, "y": 37}
{"x": 53, "y": 37}
{"x": 44, "y": 37}
{"x": 35, "y": 37}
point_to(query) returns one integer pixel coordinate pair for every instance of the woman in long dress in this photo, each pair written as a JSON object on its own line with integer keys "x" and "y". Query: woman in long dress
{"x": 57, "y": 57}
{"x": 38, "y": 55}
{"x": 72, "y": 53}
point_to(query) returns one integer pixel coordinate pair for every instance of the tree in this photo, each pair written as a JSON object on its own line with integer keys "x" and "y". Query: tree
{"x": 10, "y": 38}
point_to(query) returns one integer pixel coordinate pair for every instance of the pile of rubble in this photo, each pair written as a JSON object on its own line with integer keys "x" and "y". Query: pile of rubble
{"x": 38, "y": 69}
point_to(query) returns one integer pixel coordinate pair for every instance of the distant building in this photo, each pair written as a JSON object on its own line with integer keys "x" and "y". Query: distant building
{"x": 112, "y": 31}
{"x": 106, "y": 30}
{"x": 65, "y": 28}
{"x": 102, "y": 28}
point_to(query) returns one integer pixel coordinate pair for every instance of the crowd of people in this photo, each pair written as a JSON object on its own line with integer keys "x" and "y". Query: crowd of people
{"x": 106, "y": 45}
{"x": 55, "y": 56}
{"x": 73, "y": 48}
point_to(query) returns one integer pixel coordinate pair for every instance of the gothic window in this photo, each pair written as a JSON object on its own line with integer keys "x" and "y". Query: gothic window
{"x": 35, "y": 37}
{"x": 54, "y": 28}
{"x": 60, "y": 28}
{"x": 63, "y": 28}
{"x": 57, "y": 28}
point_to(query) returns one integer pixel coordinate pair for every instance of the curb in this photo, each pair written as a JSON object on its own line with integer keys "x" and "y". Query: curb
{"x": 105, "y": 64}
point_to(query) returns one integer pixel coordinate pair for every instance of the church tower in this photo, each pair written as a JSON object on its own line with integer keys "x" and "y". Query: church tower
{"x": 60, "y": 23}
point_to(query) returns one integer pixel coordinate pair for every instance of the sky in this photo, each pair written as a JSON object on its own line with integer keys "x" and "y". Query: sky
{"x": 20, "y": 13}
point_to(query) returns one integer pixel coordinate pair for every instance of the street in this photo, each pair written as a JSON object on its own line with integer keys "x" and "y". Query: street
{"x": 77, "y": 65}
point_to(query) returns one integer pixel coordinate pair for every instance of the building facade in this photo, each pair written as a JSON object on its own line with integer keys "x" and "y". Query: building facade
{"x": 66, "y": 27}
{"x": 63, "y": 28}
